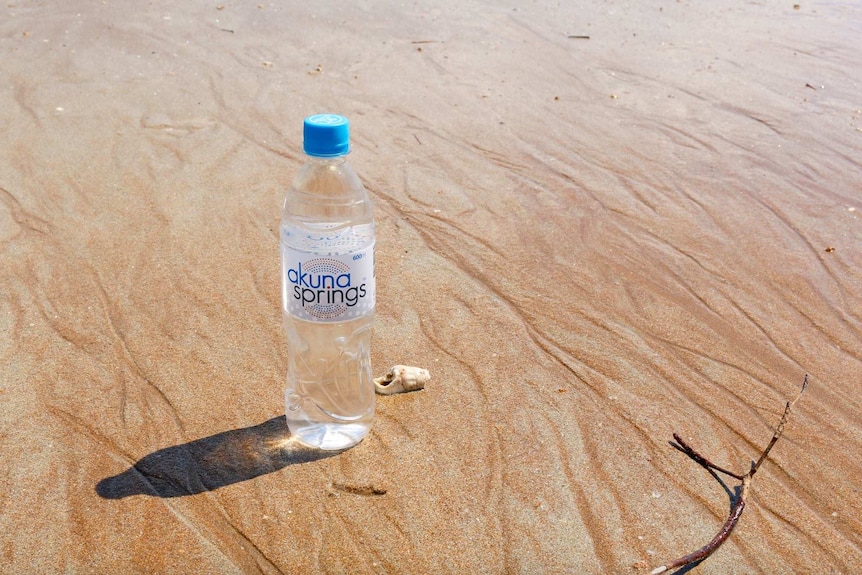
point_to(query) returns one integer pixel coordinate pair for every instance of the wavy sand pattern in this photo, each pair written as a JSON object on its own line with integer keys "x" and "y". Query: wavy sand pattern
{"x": 590, "y": 242}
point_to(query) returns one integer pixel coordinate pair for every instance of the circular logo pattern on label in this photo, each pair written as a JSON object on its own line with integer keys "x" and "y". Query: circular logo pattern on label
{"x": 327, "y": 271}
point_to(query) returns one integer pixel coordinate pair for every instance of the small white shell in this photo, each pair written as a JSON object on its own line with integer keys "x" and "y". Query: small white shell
{"x": 402, "y": 378}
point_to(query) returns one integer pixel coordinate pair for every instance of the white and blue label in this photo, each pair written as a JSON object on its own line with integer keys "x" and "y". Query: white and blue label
{"x": 328, "y": 288}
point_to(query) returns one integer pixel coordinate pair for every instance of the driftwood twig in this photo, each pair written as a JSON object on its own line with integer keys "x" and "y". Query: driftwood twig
{"x": 742, "y": 490}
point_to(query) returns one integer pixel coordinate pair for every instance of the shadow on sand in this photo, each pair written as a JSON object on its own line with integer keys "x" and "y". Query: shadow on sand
{"x": 211, "y": 462}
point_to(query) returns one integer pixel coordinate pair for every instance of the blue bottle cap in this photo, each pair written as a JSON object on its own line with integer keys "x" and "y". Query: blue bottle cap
{"x": 326, "y": 135}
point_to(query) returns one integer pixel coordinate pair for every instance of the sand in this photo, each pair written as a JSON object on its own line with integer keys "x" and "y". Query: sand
{"x": 598, "y": 224}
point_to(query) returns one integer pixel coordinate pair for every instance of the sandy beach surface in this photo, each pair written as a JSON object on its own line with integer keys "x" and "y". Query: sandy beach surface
{"x": 599, "y": 223}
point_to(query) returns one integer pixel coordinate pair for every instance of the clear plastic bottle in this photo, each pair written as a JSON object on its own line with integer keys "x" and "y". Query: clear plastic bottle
{"x": 328, "y": 292}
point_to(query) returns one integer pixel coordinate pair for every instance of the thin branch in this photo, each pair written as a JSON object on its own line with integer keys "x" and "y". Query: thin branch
{"x": 780, "y": 429}
{"x": 739, "y": 505}
{"x": 721, "y": 536}
{"x": 703, "y": 461}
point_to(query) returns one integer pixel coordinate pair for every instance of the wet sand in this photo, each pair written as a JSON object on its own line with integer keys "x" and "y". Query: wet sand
{"x": 597, "y": 225}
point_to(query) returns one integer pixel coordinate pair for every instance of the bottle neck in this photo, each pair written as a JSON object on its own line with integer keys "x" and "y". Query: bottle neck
{"x": 328, "y": 161}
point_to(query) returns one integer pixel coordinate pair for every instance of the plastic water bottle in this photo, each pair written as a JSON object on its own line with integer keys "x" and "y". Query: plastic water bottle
{"x": 328, "y": 292}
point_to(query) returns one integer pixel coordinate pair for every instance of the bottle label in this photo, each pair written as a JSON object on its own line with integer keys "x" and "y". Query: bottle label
{"x": 328, "y": 288}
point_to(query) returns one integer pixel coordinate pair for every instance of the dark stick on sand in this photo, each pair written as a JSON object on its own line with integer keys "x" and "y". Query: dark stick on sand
{"x": 742, "y": 490}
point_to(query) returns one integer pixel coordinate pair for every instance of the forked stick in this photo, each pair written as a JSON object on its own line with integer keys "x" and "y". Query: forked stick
{"x": 739, "y": 504}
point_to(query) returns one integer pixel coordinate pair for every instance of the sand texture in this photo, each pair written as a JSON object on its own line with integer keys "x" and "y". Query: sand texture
{"x": 598, "y": 223}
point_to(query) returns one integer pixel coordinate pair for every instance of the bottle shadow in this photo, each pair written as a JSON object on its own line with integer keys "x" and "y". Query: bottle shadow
{"x": 211, "y": 462}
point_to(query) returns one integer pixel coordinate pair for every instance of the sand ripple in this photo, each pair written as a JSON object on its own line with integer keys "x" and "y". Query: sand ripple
{"x": 591, "y": 243}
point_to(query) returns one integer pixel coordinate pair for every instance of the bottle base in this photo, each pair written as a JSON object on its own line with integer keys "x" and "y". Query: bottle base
{"x": 328, "y": 436}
